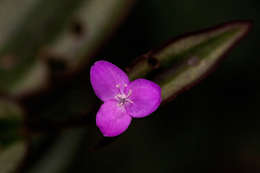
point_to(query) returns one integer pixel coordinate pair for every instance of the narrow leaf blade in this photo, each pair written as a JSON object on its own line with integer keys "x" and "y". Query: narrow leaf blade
{"x": 13, "y": 145}
{"x": 183, "y": 61}
{"x": 96, "y": 20}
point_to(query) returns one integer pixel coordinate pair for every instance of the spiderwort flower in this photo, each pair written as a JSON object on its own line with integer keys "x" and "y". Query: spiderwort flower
{"x": 123, "y": 100}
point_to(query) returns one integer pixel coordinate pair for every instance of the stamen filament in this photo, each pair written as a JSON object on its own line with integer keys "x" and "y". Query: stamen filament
{"x": 121, "y": 97}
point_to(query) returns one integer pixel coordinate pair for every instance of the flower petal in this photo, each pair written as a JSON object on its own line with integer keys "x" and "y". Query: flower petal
{"x": 104, "y": 76}
{"x": 112, "y": 119}
{"x": 146, "y": 97}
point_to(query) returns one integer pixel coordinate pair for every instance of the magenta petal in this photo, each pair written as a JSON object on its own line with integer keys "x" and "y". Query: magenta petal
{"x": 112, "y": 119}
{"x": 104, "y": 76}
{"x": 146, "y": 97}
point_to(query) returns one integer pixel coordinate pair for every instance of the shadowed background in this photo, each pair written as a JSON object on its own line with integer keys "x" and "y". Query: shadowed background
{"x": 213, "y": 127}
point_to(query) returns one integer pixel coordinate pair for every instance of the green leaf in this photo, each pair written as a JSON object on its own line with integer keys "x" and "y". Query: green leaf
{"x": 11, "y": 123}
{"x": 34, "y": 79}
{"x": 179, "y": 63}
{"x": 38, "y": 31}
{"x": 11, "y": 157}
{"x": 58, "y": 156}
{"x": 93, "y": 22}
{"x": 27, "y": 29}
{"x": 12, "y": 141}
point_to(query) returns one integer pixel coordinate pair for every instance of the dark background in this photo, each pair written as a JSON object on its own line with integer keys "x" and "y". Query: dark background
{"x": 213, "y": 127}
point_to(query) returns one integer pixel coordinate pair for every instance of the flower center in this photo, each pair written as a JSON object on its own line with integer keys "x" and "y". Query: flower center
{"x": 122, "y": 97}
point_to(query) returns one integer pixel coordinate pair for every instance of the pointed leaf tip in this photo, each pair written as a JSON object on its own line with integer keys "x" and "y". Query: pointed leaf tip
{"x": 183, "y": 61}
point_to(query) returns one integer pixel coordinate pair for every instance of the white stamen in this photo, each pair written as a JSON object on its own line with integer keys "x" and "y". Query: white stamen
{"x": 130, "y": 101}
{"x": 129, "y": 93}
{"x": 121, "y": 97}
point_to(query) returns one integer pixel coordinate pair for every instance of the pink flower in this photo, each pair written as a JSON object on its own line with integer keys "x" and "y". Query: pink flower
{"x": 123, "y": 100}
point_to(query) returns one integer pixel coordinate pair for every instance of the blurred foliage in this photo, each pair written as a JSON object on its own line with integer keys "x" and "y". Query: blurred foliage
{"x": 53, "y": 33}
{"x": 11, "y": 157}
{"x": 12, "y": 139}
{"x": 11, "y": 123}
{"x": 43, "y": 39}
{"x": 47, "y": 47}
